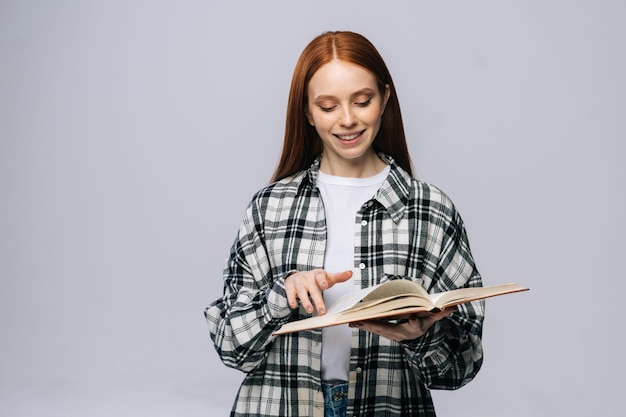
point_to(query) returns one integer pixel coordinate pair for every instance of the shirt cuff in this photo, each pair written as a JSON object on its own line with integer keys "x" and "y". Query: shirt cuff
{"x": 278, "y": 307}
{"x": 429, "y": 342}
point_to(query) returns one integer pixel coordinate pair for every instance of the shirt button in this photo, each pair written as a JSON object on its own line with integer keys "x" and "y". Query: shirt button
{"x": 364, "y": 223}
{"x": 358, "y": 370}
{"x": 362, "y": 265}
{"x": 370, "y": 203}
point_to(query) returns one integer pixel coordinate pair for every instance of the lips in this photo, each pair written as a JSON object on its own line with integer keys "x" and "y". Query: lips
{"x": 349, "y": 136}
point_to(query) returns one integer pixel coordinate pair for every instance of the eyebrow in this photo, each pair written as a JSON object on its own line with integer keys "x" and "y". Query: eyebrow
{"x": 365, "y": 90}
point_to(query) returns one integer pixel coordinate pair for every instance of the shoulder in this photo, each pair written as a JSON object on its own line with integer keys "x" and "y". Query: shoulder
{"x": 431, "y": 193}
{"x": 426, "y": 200}
{"x": 278, "y": 195}
{"x": 286, "y": 187}
{"x": 414, "y": 190}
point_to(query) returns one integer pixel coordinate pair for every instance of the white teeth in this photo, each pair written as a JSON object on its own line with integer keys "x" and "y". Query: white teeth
{"x": 349, "y": 137}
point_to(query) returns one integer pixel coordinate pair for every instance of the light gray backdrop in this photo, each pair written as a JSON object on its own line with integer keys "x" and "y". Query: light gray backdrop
{"x": 133, "y": 133}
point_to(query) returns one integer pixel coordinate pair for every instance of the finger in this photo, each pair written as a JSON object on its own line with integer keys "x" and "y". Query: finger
{"x": 421, "y": 323}
{"x": 290, "y": 292}
{"x": 335, "y": 277}
{"x": 315, "y": 291}
{"x": 425, "y": 321}
{"x": 321, "y": 279}
{"x": 309, "y": 294}
{"x": 295, "y": 289}
{"x": 390, "y": 331}
{"x": 443, "y": 313}
{"x": 438, "y": 315}
{"x": 303, "y": 295}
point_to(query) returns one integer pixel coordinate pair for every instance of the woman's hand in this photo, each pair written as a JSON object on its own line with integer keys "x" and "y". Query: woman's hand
{"x": 406, "y": 328}
{"x": 308, "y": 286}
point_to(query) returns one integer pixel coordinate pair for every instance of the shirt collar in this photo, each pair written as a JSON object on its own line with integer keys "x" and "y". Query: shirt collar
{"x": 393, "y": 195}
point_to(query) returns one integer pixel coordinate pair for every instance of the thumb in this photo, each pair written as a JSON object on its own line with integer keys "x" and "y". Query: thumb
{"x": 335, "y": 277}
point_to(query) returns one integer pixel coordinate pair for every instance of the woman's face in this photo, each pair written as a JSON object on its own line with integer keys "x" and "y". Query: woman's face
{"x": 345, "y": 106}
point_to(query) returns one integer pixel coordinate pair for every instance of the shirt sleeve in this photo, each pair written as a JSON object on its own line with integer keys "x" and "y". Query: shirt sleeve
{"x": 254, "y": 303}
{"x": 450, "y": 354}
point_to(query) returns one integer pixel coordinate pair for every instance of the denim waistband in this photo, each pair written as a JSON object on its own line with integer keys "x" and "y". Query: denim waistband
{"x": 335, "y": 399}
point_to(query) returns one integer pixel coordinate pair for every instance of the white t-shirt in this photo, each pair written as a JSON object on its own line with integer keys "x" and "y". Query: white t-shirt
{"x": 342, "y": 198}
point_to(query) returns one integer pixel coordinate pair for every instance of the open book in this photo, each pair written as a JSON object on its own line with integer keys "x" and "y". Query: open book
{"x": 393, "y": 298}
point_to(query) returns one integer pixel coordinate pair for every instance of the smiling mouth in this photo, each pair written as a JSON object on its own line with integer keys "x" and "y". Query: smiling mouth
{"x": 350, "y": 136}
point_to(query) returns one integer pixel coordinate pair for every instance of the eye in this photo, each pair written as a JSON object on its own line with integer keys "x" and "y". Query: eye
{"x": 364, "y": 103}
{"x": 327, "y": 109}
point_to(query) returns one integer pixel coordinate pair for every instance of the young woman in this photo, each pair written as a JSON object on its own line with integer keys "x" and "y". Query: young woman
{"x": 343, "y": 212}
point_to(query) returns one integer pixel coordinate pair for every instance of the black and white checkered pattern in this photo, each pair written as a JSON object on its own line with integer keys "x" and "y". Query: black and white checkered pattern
{"x": 409, "y": 229}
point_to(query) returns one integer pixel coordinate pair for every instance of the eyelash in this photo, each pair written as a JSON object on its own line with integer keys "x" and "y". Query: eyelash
{"x": 360, "y": 104}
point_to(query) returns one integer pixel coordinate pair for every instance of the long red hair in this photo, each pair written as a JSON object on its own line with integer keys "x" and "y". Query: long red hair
{"x": 301, "y": 144}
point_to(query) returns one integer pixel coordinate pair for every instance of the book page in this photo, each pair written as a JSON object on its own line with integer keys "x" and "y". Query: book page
{"x": 387, "y": 308}
{"x": 391, "y": 299}
{"x": 465, "y": 295}
{"x": 392, "y": 307}
{"x": 349, "y": 300}
{"x": 377, "y": 294}
{"x": 394, "y": 288}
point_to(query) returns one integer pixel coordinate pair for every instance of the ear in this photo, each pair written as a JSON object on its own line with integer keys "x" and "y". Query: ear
{"x": 385, "y": 98}
{"x": 309, "y": 117}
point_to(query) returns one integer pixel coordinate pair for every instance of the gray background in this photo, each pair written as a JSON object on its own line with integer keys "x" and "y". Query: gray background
{"x": 133, "y": 133}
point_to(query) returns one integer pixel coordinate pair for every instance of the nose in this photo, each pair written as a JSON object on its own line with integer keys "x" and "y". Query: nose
{"x": 347, "y": 117}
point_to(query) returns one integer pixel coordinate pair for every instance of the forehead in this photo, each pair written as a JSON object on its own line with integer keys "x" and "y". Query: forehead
{"x": 339, "y": 78}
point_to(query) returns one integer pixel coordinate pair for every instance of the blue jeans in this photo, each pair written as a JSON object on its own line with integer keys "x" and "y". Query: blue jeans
{"x": 335, "y": 400}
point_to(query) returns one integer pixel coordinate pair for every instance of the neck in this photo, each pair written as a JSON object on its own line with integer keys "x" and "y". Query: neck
{"x": 366, "y": 166}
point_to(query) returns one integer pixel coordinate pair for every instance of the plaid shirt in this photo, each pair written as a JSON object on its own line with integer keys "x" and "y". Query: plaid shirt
{"x": 409, "y": 229}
